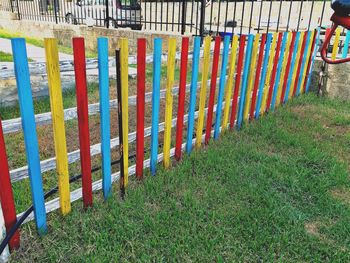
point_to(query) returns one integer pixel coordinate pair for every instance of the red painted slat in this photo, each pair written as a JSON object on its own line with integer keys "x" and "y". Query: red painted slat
{"x": 286, "y": 74}
{"x": 181, "y": 100}
{"x": 6, "y": 194}
{"x": 274, "y": 69}
{"x": 238, "y": 80}
{"x": 83, "y": 118}
{"x": 299, "y": 64}
{"x": 257, "y": 76}
{"x": 213, "y": 77}
{"x": 140, "y": 125}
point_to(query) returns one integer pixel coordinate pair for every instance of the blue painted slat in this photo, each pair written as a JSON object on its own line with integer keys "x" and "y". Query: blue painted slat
{"x": 157, "y": 62}
{"x": 290, "y": 76}
{"x": 102, "y": 46}
{"x": 193, "y": 91}
{"x": 346, "y": 44}
{"x": 263, "y": 74}
{"x": 279, "y": 69}
{"x": 313, "y": 59}
{"x": 304, "y": 62}
{"x": 245, "y": 80}
{"x": 225, "y": 55}
{"x": 29, "y": 129}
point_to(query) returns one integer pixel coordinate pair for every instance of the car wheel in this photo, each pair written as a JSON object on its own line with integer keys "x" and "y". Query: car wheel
{"x": 110, "y": 22}
{"x": 70, "y": 19}
{"x": 136, "y": 27}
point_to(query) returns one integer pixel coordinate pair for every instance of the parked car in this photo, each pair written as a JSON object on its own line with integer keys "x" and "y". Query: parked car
{"x": 121, "y": 13}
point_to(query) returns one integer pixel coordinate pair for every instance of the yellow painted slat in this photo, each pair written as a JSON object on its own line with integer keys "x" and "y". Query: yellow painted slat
{"x": 169, "y": 100}
{"x": 284, "y": 64}
{"x": 251, "y": 77}
{"x": 306, "y": 62}
{"x": 56, "y": 104}
{"x": 269, "y": 72}
{"x": 302, "y": 35}
{"x": 124, "y": 56}
{"x": 336, "y": 44}
{"x": 229, "y": 86}
{"x": 203, "y": 92}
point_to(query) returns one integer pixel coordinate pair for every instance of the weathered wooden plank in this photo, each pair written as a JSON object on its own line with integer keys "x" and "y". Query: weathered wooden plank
{"x": 53, "y": 205}
{"x": 50, "y": 164}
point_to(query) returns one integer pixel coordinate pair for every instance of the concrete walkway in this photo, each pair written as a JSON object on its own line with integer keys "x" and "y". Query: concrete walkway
{"x": 37, "y": 54}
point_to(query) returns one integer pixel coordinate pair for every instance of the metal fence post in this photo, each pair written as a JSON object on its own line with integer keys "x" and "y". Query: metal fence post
{"x": 201, "y": 28}
{"x": 11, "y": 4}
{"x": 183, "y": 19}
{"x": 107, "y": 14}
{"x": 55, "y": 8}
{"x": 19, "y": 14}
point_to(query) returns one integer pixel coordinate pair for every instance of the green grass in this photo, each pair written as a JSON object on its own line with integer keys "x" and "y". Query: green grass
{"x": 5, "y": 57}
{"x": 276, "y": 191}
{"x": 40, "y": 43}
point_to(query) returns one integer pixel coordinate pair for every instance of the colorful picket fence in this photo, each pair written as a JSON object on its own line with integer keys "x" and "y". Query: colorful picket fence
{"x": 258, "y": 73}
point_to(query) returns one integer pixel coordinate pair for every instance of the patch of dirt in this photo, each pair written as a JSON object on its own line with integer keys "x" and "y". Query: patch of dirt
{"x": 342, "y": 194}
{"x": 313, "y": 229}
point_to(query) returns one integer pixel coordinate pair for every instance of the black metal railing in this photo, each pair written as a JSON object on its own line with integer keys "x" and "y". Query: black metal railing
{"x": 197, "y": 17}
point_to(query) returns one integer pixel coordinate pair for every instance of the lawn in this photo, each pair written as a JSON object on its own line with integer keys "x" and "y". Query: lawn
{"x": 39, "y": 42}
{"x": 278, "y": 190}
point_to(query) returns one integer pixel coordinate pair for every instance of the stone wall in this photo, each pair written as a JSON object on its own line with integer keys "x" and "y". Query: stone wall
{"x": 338, "y": 81}
{"x": 65, "y": 32}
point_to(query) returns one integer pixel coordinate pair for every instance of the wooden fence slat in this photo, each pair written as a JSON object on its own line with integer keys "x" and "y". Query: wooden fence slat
{"x": 103, "y": 70}
{"x": 83, "y": 118}
{"x": 221, "y": 86}
{"x": 56, "y": 104}
{"x": 263, "y": 76}
{"x": 140, "y": 106}
{"x": 181, "y": 99}
{"x": 257, "y": 76}
{"x": 336, "y": 43}
{"x": 192, "y": 106}
{"x": 169, "y": 100}
{"x": 203, "y": 91}
{"x": 214, "y": 73}
{"x": 6, "y": 193}
{"x": 314, "y": 52}
{"x": 302, "y": 69}
{"x": 279, "y": 71}
{"x": 287, "y": 71}
{"x": 346, "y": 44}
{"x": 307, "y": 60}
{"x": 272, "y": 56}
{"x": 283, "y": 70}
{"x": 302, "y": 48}
{"x": 296, "y": 66}
{"x": 248, "y": 96}
{"x": 292, "y": 66}
{"x": 124, "y": 69}
{"x": 230, "y": 80}
{"x": 155, "y": 103}
{"x": 245, "y": 79}
{"x": 30, "y": 136}
{"x": 274, "y": 71}
{"x": 74, "y": 156}
{"x": 53, "y": 205}
{"x": 237, "y": 80}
